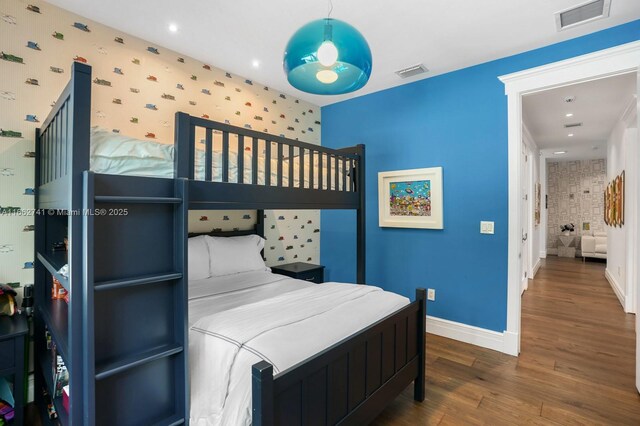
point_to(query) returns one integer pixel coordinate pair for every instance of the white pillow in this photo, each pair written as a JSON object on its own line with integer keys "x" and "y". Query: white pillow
{"x": 233, "y": 255}
{"x": 199, "y": 268}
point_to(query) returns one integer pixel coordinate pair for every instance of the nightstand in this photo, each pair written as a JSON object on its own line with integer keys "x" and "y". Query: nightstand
{"x": 13, "y": 332}
{"x": 301, "y": 271}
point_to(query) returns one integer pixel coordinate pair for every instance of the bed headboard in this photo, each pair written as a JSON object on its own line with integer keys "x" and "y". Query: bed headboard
{"x": 234, "y": 233}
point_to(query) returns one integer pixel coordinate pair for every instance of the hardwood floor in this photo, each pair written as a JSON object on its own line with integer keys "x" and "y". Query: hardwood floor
{"x": 576, "y": 366}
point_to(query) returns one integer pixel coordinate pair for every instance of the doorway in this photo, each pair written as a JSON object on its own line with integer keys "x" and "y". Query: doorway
{"x": 618, "y": 60}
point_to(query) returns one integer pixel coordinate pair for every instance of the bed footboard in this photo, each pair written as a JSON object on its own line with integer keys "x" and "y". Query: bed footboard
{"x": 350, "y": 382}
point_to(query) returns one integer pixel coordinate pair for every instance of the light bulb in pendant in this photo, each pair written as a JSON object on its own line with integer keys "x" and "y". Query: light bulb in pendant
{"x": 327, "y": 53}
{"x": 327, "y": 76}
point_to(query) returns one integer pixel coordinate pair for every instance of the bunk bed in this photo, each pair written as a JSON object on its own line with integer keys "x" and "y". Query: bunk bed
{"x": 123, "y": 332}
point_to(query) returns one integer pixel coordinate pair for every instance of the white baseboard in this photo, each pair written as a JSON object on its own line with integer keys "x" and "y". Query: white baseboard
{"x": 615, "y": 286}
{"x": 543, "y": 254}
{"x": 474, "y": 335}
{"x": 535, "y": 268}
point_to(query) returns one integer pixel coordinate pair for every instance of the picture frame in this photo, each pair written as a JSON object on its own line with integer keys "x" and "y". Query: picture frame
{"x": 614, "y": 202}
{"x": 411, "y": 198}
{"x": 620, "y": 199}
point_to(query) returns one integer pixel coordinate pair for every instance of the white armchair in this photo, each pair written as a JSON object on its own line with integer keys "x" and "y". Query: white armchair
{"x": 594, "y": 245}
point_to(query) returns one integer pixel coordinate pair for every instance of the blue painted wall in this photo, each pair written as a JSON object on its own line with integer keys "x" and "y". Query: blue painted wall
{"x": 458, "y": 121}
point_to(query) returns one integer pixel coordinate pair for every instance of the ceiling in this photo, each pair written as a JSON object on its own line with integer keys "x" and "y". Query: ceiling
{"x": 598, "y": 105}
{"x": 444, "y": 35}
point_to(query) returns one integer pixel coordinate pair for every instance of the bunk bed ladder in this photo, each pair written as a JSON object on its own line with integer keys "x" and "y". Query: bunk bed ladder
{"x": 135, "y": 310}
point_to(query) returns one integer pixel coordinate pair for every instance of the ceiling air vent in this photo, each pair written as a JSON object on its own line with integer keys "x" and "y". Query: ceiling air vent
{"x": 411, "y": 71}
{"x": 583, "y": 13}
{"x": 569, "y": 126}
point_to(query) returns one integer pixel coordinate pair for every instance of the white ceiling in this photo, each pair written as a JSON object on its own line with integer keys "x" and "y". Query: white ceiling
{"x": 444, "y": 35}
{"x": 598, "y": 105}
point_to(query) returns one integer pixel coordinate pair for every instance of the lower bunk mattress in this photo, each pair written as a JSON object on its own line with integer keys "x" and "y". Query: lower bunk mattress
{"x": 237, "y": 321}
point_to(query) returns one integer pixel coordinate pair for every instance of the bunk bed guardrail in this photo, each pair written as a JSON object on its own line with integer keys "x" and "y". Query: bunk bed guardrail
{"x": 62, "y": 143}
{"x": 322, "y": 177}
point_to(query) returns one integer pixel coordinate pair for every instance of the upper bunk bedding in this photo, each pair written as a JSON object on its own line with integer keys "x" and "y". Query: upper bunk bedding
{"x": 269, "y": 317}
{"x": 117, "y": 154}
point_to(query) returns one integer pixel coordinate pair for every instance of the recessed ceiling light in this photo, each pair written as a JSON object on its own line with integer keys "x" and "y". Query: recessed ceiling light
{"x": 255, "y": 63}
{"x": 570, "y": 135}
{"x": 570, "y": 114}
{"x": 560, "y": 152}
{"x": 173, "y": 28}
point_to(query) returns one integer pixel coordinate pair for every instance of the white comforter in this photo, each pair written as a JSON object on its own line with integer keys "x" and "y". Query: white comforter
{"x": 282, "y": 330}
{"x": 114, "y": 153}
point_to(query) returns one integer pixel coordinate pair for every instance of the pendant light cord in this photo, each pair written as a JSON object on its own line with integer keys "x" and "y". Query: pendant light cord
{"x": 330, "y": 7}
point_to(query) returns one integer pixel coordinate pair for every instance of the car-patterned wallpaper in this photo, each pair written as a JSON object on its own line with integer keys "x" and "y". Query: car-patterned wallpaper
{"x": 137, "y": 88}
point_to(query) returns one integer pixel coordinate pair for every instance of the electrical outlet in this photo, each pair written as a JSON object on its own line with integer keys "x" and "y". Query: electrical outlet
{"x": 431, "y": 295}
{"x": 486, "y": 227}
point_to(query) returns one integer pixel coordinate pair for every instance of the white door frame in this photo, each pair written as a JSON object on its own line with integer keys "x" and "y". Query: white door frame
{"x": 604, "y": 63}
{"x": 526, "y": 244}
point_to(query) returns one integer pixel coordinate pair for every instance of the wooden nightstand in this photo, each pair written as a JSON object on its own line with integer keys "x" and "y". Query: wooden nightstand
{"x": 301, "y": 271}
{"x": 13, "y": 332}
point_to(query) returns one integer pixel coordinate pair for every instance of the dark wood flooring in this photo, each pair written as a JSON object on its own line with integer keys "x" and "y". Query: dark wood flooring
{"x": 576, "y": 366}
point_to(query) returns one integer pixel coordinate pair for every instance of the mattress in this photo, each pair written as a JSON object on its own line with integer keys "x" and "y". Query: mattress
{"x": 117, "y": 154}
{"x": 267, "y": 317}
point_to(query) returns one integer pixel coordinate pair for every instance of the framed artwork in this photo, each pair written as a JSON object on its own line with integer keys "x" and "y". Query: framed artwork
{"x": 618, "y": 184}
{"x": 614, "y": 202}
{"x": 607, "y": 205}
{"x": 411, "y": 198}
{"x": 537, "y": 208}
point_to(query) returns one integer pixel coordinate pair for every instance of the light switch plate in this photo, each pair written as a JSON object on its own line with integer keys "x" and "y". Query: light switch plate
{"x": 486, "y": 227}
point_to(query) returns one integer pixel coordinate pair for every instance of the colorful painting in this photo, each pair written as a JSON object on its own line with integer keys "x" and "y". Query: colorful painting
{"x": 619, "y": 185}
{"x": 410, "y": 198}
{"x": 614, "y": 202}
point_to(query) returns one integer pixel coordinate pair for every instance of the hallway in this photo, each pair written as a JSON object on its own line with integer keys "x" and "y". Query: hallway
{"x": 576, "y": 366}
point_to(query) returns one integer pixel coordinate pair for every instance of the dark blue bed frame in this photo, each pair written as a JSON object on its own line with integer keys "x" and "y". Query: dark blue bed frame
{"x": 123, "y": 334}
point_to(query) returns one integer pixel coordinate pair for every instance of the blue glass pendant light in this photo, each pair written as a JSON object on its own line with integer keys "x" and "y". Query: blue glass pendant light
{"x": 327, "y": 57}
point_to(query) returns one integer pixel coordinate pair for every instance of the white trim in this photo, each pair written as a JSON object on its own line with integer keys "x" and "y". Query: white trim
{"x": 536, "y": 267}
{"x": 604, "y": 63}
{"x": 467, "y": 333}
{"x": 615, "y": 286}
{"x": 628, "y": 117}
{"x": 543, "y": 253}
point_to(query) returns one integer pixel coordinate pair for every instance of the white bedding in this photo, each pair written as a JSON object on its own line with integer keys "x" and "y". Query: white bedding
{"x": 113, "y": 153}
{"x": 240, "y": 320}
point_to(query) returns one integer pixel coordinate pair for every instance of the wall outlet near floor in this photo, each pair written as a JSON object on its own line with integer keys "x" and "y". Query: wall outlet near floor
{"x": 431, "y": 294}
